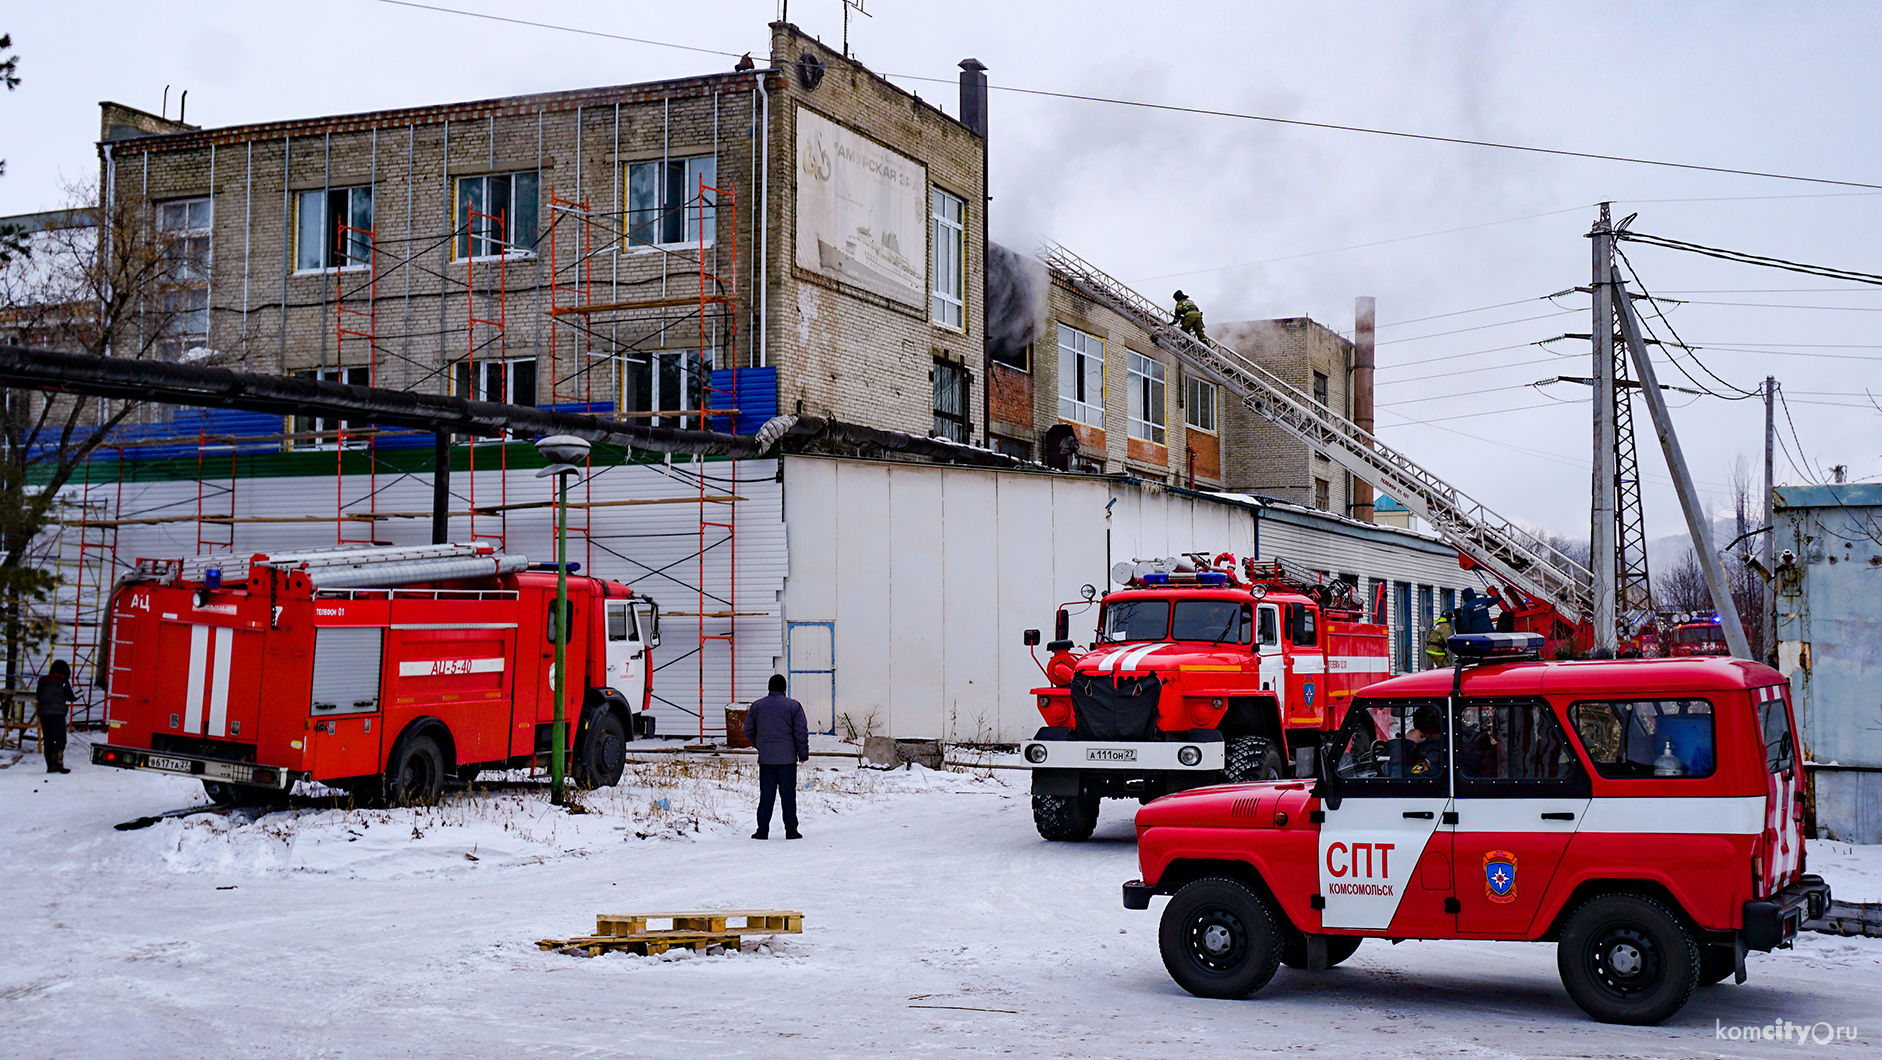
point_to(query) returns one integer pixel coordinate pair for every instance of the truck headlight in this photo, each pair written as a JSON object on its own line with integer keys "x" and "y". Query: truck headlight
{"x": 1189, "y": 754}
{"x": 1036, "y": 752}
{"x": 1044, "y": 702}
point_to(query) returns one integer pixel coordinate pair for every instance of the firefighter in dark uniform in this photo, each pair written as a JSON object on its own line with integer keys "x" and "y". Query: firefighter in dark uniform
{"x": 1188, "y": 317}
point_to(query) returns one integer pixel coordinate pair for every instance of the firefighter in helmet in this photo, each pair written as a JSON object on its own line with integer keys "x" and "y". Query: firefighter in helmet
{"x": 1188, "y": 317}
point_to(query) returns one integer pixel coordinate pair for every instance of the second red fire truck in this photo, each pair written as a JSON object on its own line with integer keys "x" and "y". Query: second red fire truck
{"x": 383, "y": 671}
{"x": 1202, "y": 670}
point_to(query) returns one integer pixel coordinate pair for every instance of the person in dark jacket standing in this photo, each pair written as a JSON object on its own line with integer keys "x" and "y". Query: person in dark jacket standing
{"x": 775, "y": 725}
{"x": 55, "y": 697}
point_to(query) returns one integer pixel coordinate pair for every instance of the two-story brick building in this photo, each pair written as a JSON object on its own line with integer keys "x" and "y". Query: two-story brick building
{"x": 806, "y": 237}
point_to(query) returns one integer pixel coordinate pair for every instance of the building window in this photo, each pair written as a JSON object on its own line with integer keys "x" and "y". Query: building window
{"x": 1322, "y": 494}
{"x": 1081, "y": 377}
{"x": 1147, "y": 415}
{"x": 506, "y": 205}
{"x": 657, "y": 385}
{"x": 333, "y": 229}
{"x": 947, "y": 260}
{"x": 321, "y": 432}
{"x": 511, "y": 382}
{"x": 1016, "y": 355}
{"x": 185, "y": 227}
{"x": 1199, "y": 408}
{"x": 664, "y": 201}
{"x": 1320, "y": 388}
{"x": 1013, "y": 447}
{"x": 950, "y": 401}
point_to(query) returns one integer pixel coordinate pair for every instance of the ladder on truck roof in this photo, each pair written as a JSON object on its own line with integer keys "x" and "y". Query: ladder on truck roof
{"x": 1515, "y": 556}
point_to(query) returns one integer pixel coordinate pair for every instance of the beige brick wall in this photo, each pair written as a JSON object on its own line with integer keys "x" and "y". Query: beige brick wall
{"x": 839, "y": 351}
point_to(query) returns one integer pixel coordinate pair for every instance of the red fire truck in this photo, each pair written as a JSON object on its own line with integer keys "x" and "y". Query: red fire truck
{"x": 1202, "y": 671}
{"x": 379, "y": 670}
{"x": 1644, "y": 815}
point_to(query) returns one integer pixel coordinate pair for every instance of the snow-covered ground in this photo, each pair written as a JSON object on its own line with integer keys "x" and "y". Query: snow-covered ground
{"x": 937, "y": 923}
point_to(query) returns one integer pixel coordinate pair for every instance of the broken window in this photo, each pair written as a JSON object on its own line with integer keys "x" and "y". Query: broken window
{"x": 1320, "y": 388}
{"x": 671, "y": 201}
{"x": 333, "y": 229}
{"x": 950, "y": 400}
{"x": 496, "y": 215}
{"x": 1081, "y": 377}
{"x": 947, "y": 260}
{"x": 1148, "y": 416}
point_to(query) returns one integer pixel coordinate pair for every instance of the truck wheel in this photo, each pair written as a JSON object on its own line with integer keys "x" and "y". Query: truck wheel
{"x": 1060, "y": 818}
{"x": 1219, "y": 939}
{"x": 1716, "y": 962}
{"x": 604, "y": 755}
{"x": 1627, "y": 958}
{"x": 1339, "y": 947}
{"x": 417, "y": 774}
{"x": 1251, "y": 758}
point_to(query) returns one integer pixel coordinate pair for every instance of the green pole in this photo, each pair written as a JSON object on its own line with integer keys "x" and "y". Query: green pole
{"x": 557, "y": 733}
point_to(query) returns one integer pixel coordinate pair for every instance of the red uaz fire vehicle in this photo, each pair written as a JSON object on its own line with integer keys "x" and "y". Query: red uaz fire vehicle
{"x": 1644, "y": 815}
{"x": 1199, "y": 673}
{"x": 379, "y": 670}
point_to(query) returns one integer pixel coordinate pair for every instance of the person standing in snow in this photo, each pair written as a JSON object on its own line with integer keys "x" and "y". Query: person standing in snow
{"x": 55, "y": 697}
{"x": 775, "y": 725}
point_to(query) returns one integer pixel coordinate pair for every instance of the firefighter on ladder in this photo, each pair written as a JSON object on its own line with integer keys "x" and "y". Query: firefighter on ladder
{"x": 1188, "y": 317}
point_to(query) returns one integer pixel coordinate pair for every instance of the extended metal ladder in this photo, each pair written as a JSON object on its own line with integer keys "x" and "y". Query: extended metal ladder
{"x": 1514, "y": 555}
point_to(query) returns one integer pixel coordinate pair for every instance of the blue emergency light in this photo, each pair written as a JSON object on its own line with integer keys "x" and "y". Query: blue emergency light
{"x": 1494, "y": 645}
{"x": 1212, "y": 577}
{"x": 1158, "y": 578}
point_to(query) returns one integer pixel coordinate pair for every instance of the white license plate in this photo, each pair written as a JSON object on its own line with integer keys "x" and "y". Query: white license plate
{"x": 175, "y": 765}
{"x": 1110, "y": 754}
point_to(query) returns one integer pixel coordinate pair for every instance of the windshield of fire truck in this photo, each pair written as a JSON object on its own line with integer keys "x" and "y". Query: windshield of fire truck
{"x": 1697, "y": 634}
{"x": 1216, "y": 621}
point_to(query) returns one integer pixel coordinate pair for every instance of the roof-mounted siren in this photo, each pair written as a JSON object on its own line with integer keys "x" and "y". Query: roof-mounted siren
{"x": 1495, "y": 647}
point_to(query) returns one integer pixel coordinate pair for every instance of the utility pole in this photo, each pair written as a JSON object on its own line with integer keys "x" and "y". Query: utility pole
{"x": 1601, "y": 530}
{"x": 1689, "y": 502}
{"x": 1767, "y": 621}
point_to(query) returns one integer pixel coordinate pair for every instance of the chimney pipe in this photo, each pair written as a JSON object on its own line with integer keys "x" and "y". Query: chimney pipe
{"x": 974, "y": 96}
{"x": 1364, "y": 364}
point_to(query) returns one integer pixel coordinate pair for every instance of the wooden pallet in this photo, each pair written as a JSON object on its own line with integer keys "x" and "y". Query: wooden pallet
{"x": 717, "y": 922}
{"x": 698, "y": 931}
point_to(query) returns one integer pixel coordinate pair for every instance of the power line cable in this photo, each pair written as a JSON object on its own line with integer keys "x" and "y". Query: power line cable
{"x": 1748, "y": 259}
{"x": 1465, "y": 312}
{"x": 1206, "y": 112}
{"x": 1480, "y": 327}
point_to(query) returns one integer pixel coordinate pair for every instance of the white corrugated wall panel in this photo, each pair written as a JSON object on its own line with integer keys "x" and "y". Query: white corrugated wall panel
{"x": 651, "y": 547}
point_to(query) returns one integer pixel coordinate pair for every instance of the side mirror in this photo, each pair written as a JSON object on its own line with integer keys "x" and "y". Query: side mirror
{"x": 1327, "y": 786}
{"x": 1032, "y": 638}
{"x": 1062, "y": 625}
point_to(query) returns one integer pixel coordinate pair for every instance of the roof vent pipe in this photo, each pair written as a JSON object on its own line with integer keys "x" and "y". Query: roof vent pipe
{"x": 1364, "y": 364}
{"x": 974, "y": 96}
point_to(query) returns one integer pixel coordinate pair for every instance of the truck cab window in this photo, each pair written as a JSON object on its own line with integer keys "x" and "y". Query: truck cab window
{"x": 1302, "y": 625}
{"x": 619, "y": 626}
{"x": 1646, "y": 737}
{"x": 1267, "y": 629}
{"x": 1217, "y": 621}
{"x": 1130, "y": 620}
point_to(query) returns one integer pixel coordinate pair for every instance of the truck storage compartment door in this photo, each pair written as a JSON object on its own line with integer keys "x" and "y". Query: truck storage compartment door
{"x": 202, "y": 680}
{"x": 346, "y": 670}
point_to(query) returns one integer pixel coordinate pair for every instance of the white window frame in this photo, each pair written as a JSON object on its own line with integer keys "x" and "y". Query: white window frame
{"x": 359, "y": 254}
{"x": 186, "y": 227}
{"x": 1077, "y": 358}
{"x": 517, "y": 242}
{"x": 499, "y": 370}
{"x": 947, "y": 260}
{"x": 355, "y": 375}
{"x": 1149, "y": 417}
{"x": 671, "y": 198}
{"x": 1201, "y": 396}
{"x": 689, "y": 363}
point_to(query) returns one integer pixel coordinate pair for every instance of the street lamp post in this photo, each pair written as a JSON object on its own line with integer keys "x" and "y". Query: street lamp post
{"x": 564, "y": 452}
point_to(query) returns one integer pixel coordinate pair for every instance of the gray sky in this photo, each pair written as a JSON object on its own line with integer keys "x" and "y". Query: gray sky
{"x": 1252, "y": 219}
